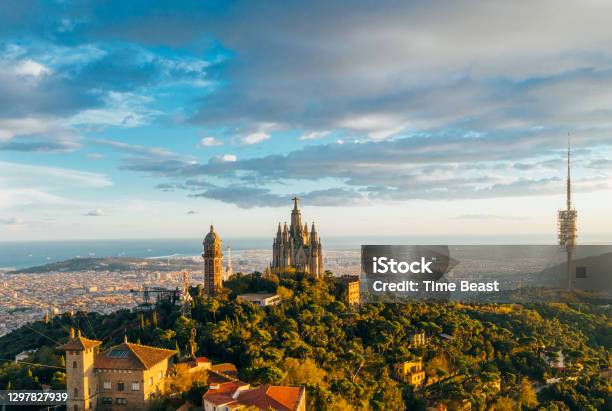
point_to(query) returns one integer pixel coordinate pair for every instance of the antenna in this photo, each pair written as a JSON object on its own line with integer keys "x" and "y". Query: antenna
{"x": 569, "y": 180}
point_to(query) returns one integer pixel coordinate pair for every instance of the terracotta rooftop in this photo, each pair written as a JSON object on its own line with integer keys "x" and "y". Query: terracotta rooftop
{"x": 215, "y": 377}
{"x": 235, "y": 394}
{"x": 130, "y": 356}
{"x": 223, "y": 394}
{"x": 226, "y": 368}
{"x": 79, "y": 343}
{"x": 266, "y": 396}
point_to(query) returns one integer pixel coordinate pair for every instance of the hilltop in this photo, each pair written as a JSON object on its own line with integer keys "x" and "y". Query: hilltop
{"x": 346, "y": 356}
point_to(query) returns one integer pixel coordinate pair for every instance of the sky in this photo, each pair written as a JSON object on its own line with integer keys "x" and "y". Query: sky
{"x": 154, "y": 119}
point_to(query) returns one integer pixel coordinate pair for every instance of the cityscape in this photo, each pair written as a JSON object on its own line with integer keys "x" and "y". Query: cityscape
{"x": 305, "y": 206}
{"x": 29, "y": 296}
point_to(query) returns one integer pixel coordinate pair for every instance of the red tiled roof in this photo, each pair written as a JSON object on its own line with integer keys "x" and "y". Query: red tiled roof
{"x": 130, "y": 356}
{"x": 223, "y": 393}
{"x": 215, "y": 377}
{"x": 266, "y": 396}
{"x": 226, "y": 368}
{"x": 79, "y": 343}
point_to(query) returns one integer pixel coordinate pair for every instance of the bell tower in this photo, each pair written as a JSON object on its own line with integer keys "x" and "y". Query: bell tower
{"x": 81, "y": 383}
{"x": 213, "y": 263}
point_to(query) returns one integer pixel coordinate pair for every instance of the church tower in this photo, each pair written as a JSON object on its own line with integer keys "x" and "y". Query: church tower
{"x": 81, "y": 383}
{"x": 213, "y": 263}
{"x": 297, "y": 248}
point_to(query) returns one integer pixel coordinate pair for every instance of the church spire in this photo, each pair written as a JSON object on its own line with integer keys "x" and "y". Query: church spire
{"x": 296, "y": 219}
{"x": 313, "y": 234}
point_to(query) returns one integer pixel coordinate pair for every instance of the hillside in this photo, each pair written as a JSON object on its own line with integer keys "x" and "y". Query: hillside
{"x": 346, "y": 355}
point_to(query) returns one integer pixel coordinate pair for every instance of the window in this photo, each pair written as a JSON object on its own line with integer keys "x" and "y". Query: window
{"x": 120, "y": 386}
{"x": 76, "y": 392}
{"x": 75, "y": 408}
{"x": 107, "y": 385}
{"x": 74, "y": 365}
{"x": 135, "y": 386}
{"x": 107, "y": 400}
{"x": 121, "y": 401}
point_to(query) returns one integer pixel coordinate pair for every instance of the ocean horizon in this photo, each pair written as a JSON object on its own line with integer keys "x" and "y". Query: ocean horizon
{"x": 23, "y": 254}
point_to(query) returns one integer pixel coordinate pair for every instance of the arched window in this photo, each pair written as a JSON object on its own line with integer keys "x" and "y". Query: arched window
{"x": 74, "y": 364}
{"x": 76, "y": 392}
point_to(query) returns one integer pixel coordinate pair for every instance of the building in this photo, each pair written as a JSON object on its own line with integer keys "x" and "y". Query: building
{"x": 236, "y": 394}
{"x": 296, "y": 248}
{"x": 353, "y": 292}
{"x": 261, "y": 299}
{"x": 411, "y": 372}
{"x": 417, "y": 339}
{"x": 213, "y": 263}
{"x": 125, "y": 377}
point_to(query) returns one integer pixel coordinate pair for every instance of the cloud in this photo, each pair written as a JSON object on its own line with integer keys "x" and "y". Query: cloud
{"x": 98, "y": 212}
{"x": 314, "y": 135}
{"x": 40, "y": 145}
{"x": 228, "y": 158}
{"x": 209, "y": 142}
{"x": 152, "y": 160}
{"x": 255, "y": 138}
{"x": 436, "y": 110}
{"x": 11, "y": 127}
{"x": 15, "y": 175}
{"x": 250, "y": 197}
{"x": 428, "y": 167}
{"x": 31, "y": 68}
{"x": 119, "y": 109}
{"x": 23, "y": 185}
{"x": 191, "y": 212}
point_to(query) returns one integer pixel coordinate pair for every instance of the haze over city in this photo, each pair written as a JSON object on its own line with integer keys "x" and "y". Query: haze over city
{"x": 449, "y": 119}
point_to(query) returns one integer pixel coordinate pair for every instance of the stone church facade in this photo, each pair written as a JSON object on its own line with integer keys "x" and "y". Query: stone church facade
{"x": 296, "y": 247}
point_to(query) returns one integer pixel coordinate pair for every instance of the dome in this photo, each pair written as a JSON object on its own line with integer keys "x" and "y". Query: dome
{"x": 212, "y": 237}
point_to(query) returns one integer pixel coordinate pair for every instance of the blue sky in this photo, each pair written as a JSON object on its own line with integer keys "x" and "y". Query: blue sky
{"x": 154, "y": 119}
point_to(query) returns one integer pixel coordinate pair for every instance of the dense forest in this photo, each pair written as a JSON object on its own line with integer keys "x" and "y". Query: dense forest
{"x": 490, "y": 356}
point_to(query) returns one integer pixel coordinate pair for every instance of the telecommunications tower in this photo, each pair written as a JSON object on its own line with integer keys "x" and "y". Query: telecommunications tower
{"x": 567, "y": 226}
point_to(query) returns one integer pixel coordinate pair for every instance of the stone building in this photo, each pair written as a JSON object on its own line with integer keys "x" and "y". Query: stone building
{"x": 417, "y": 339}
{"x": 213, "y": 263}
{"x": 295, "y": 247}
{"x": 411, "y": 372}
{"x": 353, "y": 291}
{"x": 125, "y": 377}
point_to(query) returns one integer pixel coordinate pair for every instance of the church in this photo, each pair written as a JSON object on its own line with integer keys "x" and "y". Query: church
{"x": 295, "y": 247}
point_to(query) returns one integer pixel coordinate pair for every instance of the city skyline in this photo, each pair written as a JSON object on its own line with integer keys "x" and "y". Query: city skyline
{"x": 116, "y": 124}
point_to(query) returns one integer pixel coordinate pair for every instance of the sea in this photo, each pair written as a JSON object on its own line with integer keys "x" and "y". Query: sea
{"x": 23, "y": 254}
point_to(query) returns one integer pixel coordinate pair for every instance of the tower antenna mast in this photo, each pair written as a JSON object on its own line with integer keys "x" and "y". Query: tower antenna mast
{"x": 567, "y": 224}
